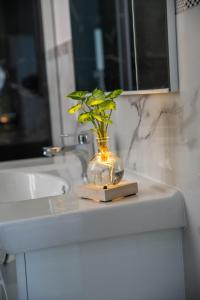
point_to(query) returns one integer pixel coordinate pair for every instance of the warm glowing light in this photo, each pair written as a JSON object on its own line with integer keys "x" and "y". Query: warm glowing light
{"x": 105, "y": 168}
{"x": 4, "y": 119}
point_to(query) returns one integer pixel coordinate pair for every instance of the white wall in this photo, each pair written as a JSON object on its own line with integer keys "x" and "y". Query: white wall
{"x": 159, "y": 135}
{"x": 59, "y": 64}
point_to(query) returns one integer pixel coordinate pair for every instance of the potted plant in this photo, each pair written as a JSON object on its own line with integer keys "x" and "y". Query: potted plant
{"x": 96, "y": 108}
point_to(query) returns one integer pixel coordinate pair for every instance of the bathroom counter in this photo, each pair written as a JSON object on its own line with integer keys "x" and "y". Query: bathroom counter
{"x": 61, "y": 220}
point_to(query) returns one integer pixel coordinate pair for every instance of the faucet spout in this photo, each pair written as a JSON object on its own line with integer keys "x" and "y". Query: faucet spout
{"x": 83, "y": 150}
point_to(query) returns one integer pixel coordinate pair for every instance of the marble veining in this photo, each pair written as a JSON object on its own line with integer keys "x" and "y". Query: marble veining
{"x": 146, "y": 116}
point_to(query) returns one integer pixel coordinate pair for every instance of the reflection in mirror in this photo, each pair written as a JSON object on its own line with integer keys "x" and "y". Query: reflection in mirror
{"x": 103, "y": 44}
{"x": 24, "y": 107}
{"x": 151, "y": 44}
{"x": 121, "y": 43}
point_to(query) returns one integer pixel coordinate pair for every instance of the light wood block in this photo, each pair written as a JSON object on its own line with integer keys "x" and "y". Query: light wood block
{"x": 107, "y": 193}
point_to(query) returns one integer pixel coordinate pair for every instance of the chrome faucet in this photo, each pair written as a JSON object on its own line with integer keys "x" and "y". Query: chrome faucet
{"x": 83, "y": 149}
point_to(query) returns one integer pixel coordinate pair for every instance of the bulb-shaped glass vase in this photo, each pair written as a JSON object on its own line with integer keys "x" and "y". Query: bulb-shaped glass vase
{"x": 105, "y": 168}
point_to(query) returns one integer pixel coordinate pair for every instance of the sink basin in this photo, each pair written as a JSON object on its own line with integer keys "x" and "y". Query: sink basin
{"x": 20, "y": 186}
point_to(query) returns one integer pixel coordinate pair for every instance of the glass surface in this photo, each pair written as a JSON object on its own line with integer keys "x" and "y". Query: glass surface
{"x": 103, "y": 44}
{"x": 151, "y": 44}
{"x": 24, "y": 107}
{"x": 105, "y": 168}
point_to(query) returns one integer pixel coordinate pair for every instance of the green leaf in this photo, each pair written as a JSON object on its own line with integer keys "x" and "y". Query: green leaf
{"x": 77, "y": 95}
{"x": 98, "y": 93}
{"x": 95, "y": 101}
{"x": 96, "y": 111}
{"x": 107, "y": 105}
{"x": 98, "y": 117}
{"x": 85, "y": 117}
{"x": 102, "y": 119}
{"x": 89, "y": 98}
{"x": 108, "y": 121}
{"x": 74, "y": 108}
{"x": 114, "y": 94}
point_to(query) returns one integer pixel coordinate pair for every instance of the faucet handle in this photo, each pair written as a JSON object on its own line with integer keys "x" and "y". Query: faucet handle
{"x": 84, "y": 137}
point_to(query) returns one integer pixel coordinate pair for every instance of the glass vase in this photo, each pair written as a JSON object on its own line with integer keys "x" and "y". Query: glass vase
{"x": 105, "y": 168}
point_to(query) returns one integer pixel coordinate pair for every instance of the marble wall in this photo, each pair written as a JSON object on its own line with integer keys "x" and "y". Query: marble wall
{"x": 157, "y": 135}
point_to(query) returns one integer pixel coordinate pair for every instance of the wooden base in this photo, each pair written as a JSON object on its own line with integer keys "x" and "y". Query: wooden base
{"x": 107, "y": 193}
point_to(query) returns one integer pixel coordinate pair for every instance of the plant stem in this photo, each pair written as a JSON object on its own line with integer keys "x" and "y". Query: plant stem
{"x": 109, "y": 119}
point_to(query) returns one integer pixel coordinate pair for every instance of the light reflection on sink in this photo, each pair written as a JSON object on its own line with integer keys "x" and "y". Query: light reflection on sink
{"x": 18, "y": 186}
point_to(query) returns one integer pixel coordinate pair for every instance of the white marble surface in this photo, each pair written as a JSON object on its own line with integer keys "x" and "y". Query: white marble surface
{"x": 61, "y": 220}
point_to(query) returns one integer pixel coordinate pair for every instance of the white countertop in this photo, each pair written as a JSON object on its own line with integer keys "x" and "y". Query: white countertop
{"x": 61, "y": 220}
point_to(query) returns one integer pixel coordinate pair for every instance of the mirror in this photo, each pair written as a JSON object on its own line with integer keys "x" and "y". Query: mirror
{"x": 24, "y": 103}
{"x": 129, "y": 44}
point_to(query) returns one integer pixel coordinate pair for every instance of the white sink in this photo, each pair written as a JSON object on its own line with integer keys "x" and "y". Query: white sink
{"x": 20, "y": 186}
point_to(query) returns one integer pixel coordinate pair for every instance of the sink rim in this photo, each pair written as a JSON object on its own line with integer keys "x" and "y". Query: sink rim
{"x": 36, "y": 174}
